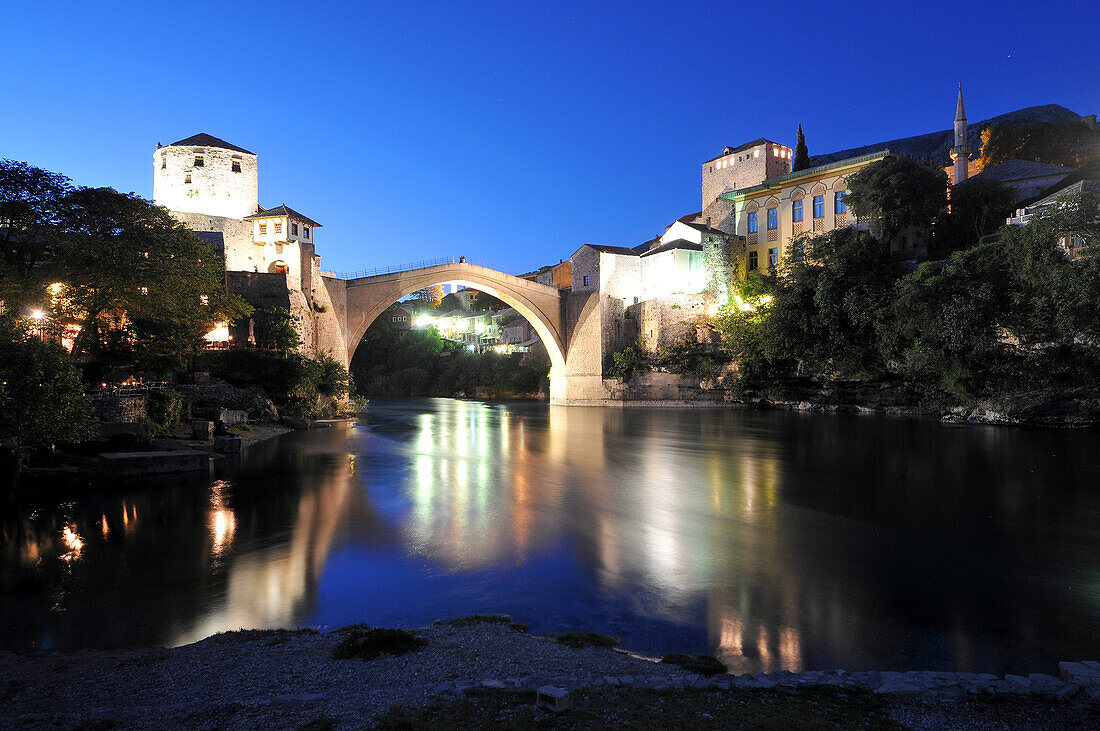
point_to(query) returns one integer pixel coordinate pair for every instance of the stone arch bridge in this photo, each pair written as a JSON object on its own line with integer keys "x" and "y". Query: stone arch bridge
{"x": 369, "y": 297}
{"x": 560, "y": 319}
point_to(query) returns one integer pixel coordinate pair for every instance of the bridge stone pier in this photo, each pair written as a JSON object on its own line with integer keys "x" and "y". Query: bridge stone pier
{"x": 543, "y": 306}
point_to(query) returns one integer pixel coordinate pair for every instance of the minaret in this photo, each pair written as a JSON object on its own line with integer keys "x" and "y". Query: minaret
{"x": 960, "y": 153}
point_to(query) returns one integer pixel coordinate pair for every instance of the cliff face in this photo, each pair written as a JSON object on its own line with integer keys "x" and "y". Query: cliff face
{"x": 934, "y": 146}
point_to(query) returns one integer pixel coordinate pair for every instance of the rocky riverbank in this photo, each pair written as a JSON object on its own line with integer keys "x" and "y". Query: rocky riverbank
{"x": 283, "y": 679}
{"x": 1070, "y": 407}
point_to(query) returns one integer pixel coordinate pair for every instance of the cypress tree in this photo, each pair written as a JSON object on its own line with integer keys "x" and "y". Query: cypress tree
{"x": 801, "y": 155}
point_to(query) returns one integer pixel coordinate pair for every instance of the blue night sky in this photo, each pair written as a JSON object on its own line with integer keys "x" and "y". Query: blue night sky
{"x": 510, "y": 134}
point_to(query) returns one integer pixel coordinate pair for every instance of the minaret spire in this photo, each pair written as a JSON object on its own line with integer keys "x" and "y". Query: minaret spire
{"x": 960, "y": 153}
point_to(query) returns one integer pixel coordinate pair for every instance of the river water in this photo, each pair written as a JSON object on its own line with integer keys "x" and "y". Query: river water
{"x": 772, "y": 540}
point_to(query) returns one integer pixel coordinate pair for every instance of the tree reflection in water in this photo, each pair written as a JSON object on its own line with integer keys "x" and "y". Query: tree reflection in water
{"x": 774, "y": 540}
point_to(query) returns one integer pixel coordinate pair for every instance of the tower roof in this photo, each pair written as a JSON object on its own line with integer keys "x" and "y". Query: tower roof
{"x": 279, "y": 212}
{"x": 204, "y": 140}
{"x": 960, "y": 110}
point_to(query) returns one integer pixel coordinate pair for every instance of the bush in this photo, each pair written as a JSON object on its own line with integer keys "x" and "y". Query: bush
{"x": 578, "y": 640}
{"x": 334, "y": 379}
{"x": 368, "y": 643}
{"x": 485, "y": 619}
{"x": 689, "y": 357}
{"x": 628, "y": 361}
{"x": 701, "y": 664}
{"x": 41, "y": 399}
{"x": 163, "y": 410}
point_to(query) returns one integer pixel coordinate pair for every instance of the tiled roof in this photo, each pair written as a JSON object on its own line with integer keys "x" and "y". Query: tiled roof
{"x": 755, "y": 143}
{"x": 779, "y": 180}
{"x": 204, "y": 140}
{"x": 1011, "y": 170}
{"x": 613, "y": 249}
{"x": 646, "y": 245}
{"x": 704, "y": 228}
{"x": 1081, "y": 186}
{"x": 677, "y": 244}
{"x": 279, "y": 211}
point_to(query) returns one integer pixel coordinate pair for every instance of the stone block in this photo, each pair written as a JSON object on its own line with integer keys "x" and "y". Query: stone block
{"x": 760, "y": 680}
{"x": 203, "y": 430}
{"x": 900, "y": 686}
{"x": 1079, "y": 673}
{"x": 109, "y": 429}
{"x": 553, "y": 698}
{"x": 128, "y": 464}
{"x": 493, "y": 683}
{"x": 227, "y": 445}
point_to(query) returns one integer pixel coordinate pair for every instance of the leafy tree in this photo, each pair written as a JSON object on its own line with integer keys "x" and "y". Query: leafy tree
{"x": 335, "y": 381}
{"x": 30, "y": 206}
{"x": 41, "y": 397}
{"x": 1058, "y": 143}
{"x": 897, "y": 192}
{"x": 690, "y": 357}
{"x": 450, "y": 302}
{"x": 979, "y": 207}
{"x": 126, "y": 261}
{"x": 484, "y": 301}
{"x": 628, "y": 361}
{"x": 801, "y": 154}
{"x": 1010, "y": 314}
{"x": 821, "y": 316}
{"x": 430, "y": 296}
{"x": 742, "y": 326}
{"x": 276, "y": 327}
{"x": 163, "y": 410}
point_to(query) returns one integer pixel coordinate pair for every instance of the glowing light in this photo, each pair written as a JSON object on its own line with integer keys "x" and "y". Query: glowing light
{"x": 37, "y": 314}
{"x": 104, "y": 527}
{"x": 219, "y": 334}
{"x": 73, "y": 542}
{"x": 223, "y": 522}
{"x": 765, "y": 299}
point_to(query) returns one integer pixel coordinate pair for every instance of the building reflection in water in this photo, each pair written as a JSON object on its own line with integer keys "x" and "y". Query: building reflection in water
{"x": 475, "y": 486}
{"x": 275, "y": 584}
{"x": 772, "y": 541}
{"x": 653, "y": 516}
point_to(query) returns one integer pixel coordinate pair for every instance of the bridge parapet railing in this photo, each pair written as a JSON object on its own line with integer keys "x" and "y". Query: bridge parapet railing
{"x": 397, "y": 268}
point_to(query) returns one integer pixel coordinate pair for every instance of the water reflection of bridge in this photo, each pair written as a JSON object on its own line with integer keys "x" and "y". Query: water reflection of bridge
{"x": 680, "y": 512}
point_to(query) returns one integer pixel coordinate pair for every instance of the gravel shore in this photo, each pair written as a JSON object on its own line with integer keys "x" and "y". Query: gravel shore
{"x": 281, "y": 679}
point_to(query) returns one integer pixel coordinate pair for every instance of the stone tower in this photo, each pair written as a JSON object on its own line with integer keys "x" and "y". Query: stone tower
{"x": 960, "y": 153}
{"x": 205, "y": 175}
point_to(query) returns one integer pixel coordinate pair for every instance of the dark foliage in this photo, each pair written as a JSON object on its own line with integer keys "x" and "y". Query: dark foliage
{"x": 701, "y": 664}
{"x": 578, "y": 640}
{"x": 368, "y": 644}
{"x": 897, "y": 193}
{"x": 418, "y": 362}
{"x": 801, "y": 154}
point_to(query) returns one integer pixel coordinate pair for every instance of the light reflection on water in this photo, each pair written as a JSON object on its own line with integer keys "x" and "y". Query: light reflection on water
{"x": 773, "y": 540}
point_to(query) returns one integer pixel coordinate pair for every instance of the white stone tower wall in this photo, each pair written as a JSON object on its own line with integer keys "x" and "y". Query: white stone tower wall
{"x": 214, "y": 190}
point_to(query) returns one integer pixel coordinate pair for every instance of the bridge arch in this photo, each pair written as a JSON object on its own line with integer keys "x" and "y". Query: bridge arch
{"x": 369, "y": 297}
